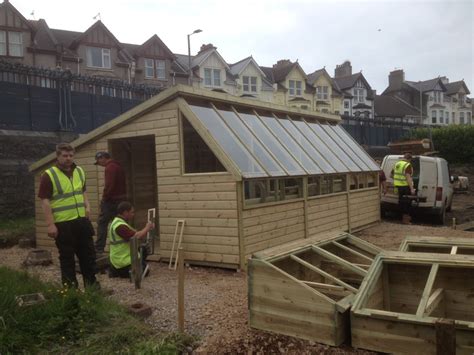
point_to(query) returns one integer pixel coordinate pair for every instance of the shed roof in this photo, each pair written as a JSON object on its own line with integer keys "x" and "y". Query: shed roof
{"x": 256, "y": 139}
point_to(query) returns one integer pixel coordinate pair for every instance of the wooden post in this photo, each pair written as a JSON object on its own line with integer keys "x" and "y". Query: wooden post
{"x": 445, "y": 337}
{"x": 136, "y": 267}
{"x": 180, "y": 290}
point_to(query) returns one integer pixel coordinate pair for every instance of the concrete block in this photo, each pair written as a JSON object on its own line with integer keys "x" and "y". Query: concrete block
{"x": 38, "y": 257}
{"x": 140, "y": 310}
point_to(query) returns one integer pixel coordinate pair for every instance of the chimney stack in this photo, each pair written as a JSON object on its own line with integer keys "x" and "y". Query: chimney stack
{"x": 396, "y": 79}
{"x": 344, "y": 69}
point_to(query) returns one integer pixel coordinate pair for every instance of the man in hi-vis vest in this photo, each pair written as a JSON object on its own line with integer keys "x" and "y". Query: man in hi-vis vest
{"x": 66, "y": 209}
{"x": 402, "y": 180}
{"x": 120, "y": 233}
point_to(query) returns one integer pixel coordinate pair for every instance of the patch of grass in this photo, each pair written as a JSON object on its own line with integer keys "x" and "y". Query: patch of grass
{"x": 12, "y": 229}
{"x": 73, "y": 321}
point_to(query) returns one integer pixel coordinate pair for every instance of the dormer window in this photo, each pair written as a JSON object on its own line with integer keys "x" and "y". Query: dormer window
{"x": 322, "y": 92}
{"x": 295, "y": 87}
{"x": 212, "y": 77}
{"x": 155, "y": 69}
{"x": 11, "y": 43}
{"x": 98, "y": 57}
{"x": 249, "y": 83}
{"x": 438, "y": 96}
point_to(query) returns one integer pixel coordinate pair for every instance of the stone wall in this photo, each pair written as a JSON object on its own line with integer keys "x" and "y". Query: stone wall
{"x": 19, "y": 149}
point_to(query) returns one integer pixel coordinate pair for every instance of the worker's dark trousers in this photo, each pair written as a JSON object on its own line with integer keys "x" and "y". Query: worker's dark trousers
{"x": 403, "y": 202}
{"x": 108, "y": 210}
{"x": 75, "y": 238}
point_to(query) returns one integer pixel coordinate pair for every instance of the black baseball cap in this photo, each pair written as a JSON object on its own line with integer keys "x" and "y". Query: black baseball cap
{"x": 99, "y": 155}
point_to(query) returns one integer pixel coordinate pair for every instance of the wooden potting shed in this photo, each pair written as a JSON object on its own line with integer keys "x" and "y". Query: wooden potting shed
{"x": 243, "y": 174}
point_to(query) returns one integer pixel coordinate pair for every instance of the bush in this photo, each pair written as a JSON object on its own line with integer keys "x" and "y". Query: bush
{"x": 13, "y": 229}
{"x": 454, "y": 143}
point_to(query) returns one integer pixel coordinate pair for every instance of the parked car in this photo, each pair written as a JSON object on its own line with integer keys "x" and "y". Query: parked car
{"x": 432, "y": 182}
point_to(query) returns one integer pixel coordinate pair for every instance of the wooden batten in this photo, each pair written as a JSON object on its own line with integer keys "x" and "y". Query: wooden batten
{"x": 405, "y": 296}
{"x": 442, "y": 245}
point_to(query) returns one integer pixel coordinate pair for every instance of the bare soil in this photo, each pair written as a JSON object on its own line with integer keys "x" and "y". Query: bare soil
{"x": 216, "y": 299}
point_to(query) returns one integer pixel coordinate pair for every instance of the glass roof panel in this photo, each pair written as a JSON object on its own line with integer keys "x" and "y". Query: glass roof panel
{"x": 321, "y": 147}
{"x": 357, "y": 149}
{"x": 333, "y": 146}
{"x": 298, "y": 153}
{"x": 344, "y": 146}
{"x": 228, "y": 142}
{"x": 251, "y": 143}
{"x": 273, "y": 145}
{"x": 307, "y": 146}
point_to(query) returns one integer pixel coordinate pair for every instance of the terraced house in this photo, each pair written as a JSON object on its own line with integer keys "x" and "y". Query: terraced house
{"x": 438, "y": 101}
{"x": 94, "y": 52}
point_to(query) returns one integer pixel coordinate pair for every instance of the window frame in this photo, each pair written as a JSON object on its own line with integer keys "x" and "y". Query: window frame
{"x": 212, "y": 77}
{"x": 156, "y": 66}
{"x": 247, "y": 82}
{"x": 8, "y": 44}
{"x": 293, "y": 88}
{"x": 104, "y": 53}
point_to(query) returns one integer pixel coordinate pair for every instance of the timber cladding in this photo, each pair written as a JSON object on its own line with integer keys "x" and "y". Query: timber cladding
{"x": 304, "y": 288}
{"x": 416, "y": 303}
{"x": 220, "y": 229}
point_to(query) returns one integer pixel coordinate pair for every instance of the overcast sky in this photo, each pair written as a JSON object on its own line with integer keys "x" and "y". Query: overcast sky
{"x": 425, "y": 38}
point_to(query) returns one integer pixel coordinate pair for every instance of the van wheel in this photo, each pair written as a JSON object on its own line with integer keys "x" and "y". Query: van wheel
{"x": 441, "y": 217}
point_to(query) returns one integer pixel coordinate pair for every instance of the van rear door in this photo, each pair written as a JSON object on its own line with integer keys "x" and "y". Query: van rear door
{"x": 427, "y": 182}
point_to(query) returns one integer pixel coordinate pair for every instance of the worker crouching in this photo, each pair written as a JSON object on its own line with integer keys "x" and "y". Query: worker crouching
{"x": 119, "y": 234}
{"x": 403, "y": 182}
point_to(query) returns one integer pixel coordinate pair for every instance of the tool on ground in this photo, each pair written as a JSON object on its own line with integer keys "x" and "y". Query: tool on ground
{"x": 179, "y": 226}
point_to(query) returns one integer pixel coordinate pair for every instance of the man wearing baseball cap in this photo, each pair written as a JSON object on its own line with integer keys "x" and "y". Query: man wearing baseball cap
{"x": 115, "y": 191}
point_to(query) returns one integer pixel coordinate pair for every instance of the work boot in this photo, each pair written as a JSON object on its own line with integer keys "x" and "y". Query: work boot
{"x": 406, "y": 219}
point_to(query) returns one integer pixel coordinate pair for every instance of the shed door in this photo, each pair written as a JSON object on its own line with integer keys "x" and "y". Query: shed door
{"x": 137, "y": 156}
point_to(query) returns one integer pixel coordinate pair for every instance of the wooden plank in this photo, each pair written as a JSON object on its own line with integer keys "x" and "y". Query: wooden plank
{"x": 323, "y": 273}
{"x": 427, "y": 291}
{"x": 344, "y": 263}
{"x": 352, "y": 251}
{"x": 433, "y": 302}
{"x": 454, "y": 250}
{"x": 386, "y": 288}
{"x": 445, "y": 337}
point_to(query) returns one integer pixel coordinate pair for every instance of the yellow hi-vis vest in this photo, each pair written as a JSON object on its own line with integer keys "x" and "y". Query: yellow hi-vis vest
{"x": 67, "y": 202}
{"x": 399, "y": 178}
{"x": 119, "y": 247}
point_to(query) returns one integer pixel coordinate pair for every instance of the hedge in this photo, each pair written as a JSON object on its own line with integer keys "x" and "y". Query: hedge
{"x": 454, "y": 143}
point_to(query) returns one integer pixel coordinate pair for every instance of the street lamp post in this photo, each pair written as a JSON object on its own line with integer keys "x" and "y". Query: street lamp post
{"x": 189, "y": 57}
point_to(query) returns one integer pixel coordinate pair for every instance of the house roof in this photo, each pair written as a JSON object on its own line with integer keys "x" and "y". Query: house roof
{"x": 455, "y": 86}
{"x": 314, "y": 76}
{"x": 7, "y": 4}
{"x": 392, "y": 106}
{"x": 185, "y": 93}
{"x": 349, "y": 81}
{"x": 44, "y": 37}
{"x": 426, "y": 85}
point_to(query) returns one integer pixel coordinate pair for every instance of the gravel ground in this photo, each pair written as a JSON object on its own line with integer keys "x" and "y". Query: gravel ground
{"x": 216, "y": 299}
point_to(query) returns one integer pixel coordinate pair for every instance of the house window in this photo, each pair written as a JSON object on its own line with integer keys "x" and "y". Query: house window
{"x": 295, "y": 87}
{"x": 3, "y": 43}
{"x": 469, "y": 119}
{"x": 446, "y": 117}
{"x": 250, "y": 83}
{"x": 453, "y": 117}
{"x": 438, "y": 96}
{"x": 98, "y": 57}
{"x": 14, "y": 46}
{"x": 461, "y": 117}
{"x": 346, "y": 113}
{"x": 155, "y": 69}
{"x": 441, "y": 116}
{"x": 359, "y": 95}
{"x": 212, "y": 77}
{"x": 322, "y": 92}
{"x": 336, "y": 112}
{"x": 346, "y": 104}
{"x": 462, "y": 99}
{"x": 433, "y": 117}
{"x": 198, "y": 157}
{"x": 108, "y": 91}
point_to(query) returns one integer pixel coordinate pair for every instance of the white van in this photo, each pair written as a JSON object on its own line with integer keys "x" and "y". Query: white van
{"x": 432, "y": 182}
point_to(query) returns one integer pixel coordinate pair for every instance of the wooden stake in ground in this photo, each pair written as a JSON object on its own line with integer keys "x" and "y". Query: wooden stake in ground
{"x": 180, "y": 290}
{"x": 136, "y": 267}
